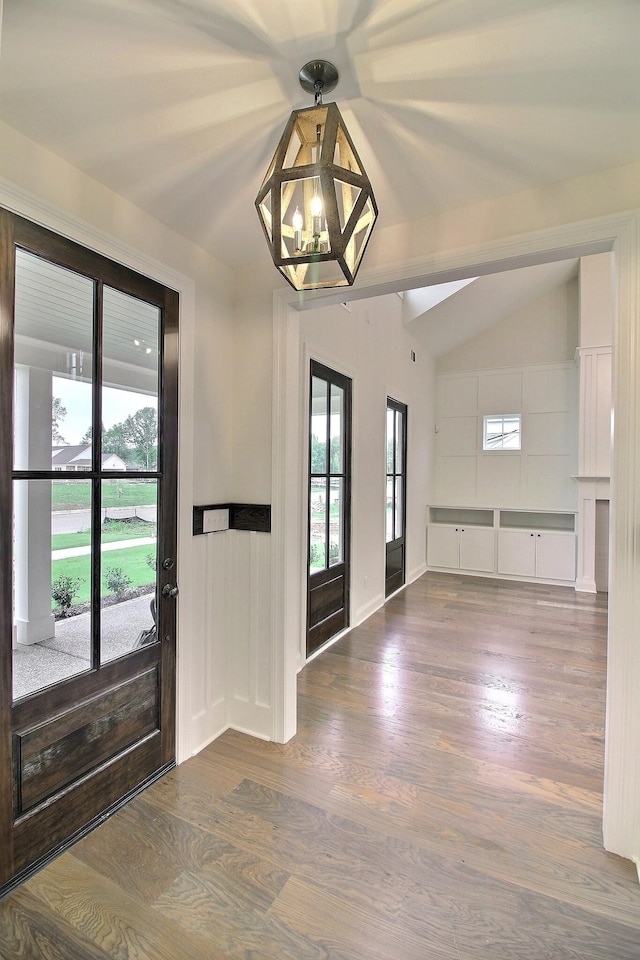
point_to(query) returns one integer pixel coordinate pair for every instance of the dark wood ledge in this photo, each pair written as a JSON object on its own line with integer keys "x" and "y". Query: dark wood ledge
{"x": 242, "y": 516}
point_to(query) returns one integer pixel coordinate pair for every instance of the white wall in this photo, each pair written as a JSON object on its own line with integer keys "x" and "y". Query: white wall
{"x": 539, "y": 475}
{"x": 41, "y": 186}
{"x": 523, "y": 364}
{"x": 369, "y": 343}
{"x": 543, "y": 331}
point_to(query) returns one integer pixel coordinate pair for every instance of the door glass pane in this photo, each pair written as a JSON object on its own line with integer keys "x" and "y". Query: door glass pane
{"x": 337, "y": 406}
{"x": 51, "y": 582}
{"x": 336, "y": 553}
{"x": 398, "y": 510}
{"x": 399, "y": 468}
{"x": 318, "y": 425}
{"x": 318, "y": 524}
{"x": 389, "y": 511}
{"x": 128, "y": 565}
{"x": 53, "y": 347}
{"x": 390, "y": 441}
{"x": 130, "y": 383}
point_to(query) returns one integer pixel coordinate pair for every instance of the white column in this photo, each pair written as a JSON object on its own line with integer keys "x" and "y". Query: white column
{"x": 32, "y": 508}
{"x": 594, "y": 455}
{"x": 590, "y": 490}
{"x": 595, "y": 426}
{"x": 594, "y": 451}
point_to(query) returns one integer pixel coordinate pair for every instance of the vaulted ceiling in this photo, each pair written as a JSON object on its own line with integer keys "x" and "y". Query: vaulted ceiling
{"x": 178, "y": 104}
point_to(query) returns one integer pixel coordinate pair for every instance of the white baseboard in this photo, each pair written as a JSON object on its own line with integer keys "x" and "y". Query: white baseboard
{"x": 368, "y": 609}
{"x": 204, "y": 743}
{"x": 586, "y": 585}
{"x": 416, "y": 573}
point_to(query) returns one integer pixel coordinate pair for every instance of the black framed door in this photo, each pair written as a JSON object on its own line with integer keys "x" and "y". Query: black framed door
{"x": 88, "y": 481}
{"x": 329, "y": 523}
{"x": 395, "y": 532}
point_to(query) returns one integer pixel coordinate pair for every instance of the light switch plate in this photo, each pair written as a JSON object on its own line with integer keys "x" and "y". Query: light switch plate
{"x": 215, "y": 520}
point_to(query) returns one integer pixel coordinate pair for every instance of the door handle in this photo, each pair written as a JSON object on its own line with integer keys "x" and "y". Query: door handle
{"x": 169, "y": 591}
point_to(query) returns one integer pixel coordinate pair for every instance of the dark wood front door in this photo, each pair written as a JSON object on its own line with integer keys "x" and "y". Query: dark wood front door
{"x": 329, "y": 505}
{"x": 396, "y": 496}
{"x": 88, "y": 476}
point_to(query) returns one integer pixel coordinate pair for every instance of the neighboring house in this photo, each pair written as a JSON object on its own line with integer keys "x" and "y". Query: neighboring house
{"x": 75, "y": 458}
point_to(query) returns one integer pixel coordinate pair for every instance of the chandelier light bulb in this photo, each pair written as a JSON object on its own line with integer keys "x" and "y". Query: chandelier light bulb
{"x": 297, "y": 222}
{"x": 316, "y": 215}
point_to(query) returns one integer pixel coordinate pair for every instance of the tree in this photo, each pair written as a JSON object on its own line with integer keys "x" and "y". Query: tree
{"x": 58, "y": 413}
{"x": 140, "y": 431}
{"x": 319, "y": 454}
{"x": 114, "y": 440}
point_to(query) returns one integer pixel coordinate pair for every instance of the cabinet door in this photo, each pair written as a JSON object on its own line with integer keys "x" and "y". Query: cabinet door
{"x": 517, "y": 553}
{"x": 556, "y": 556}
{"x": 442, "y": 546}
{"x": 477, "y": 549}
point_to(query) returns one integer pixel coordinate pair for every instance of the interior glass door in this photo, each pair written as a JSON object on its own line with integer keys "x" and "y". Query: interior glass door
{"x": 329, "y": 505}
{"x": 395, "y": 520}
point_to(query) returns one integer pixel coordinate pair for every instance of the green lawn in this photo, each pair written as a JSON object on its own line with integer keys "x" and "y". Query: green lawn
{"x": 110, "y": 533}
{"x": 76, "y": 494}
{"x": 131, "y": 559}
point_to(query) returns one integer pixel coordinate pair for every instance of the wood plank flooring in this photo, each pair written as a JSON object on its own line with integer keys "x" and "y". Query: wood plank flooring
{"x": 442, "y": 800}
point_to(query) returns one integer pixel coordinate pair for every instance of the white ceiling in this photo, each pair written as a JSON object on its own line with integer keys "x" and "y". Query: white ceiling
{"x": 178, "y": 104}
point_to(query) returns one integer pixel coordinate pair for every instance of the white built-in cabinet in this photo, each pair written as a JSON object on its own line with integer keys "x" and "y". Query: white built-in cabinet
{"x": 515, "y": 544}
{"x": 461, "y": 540}
{"x": 537, "y": 545}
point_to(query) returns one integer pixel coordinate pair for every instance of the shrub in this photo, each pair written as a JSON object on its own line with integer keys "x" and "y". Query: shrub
{"x": 150, "y": 561}
{"x": 316, "y": 555}
{"x": 64, "y": 590}
{"x": 117, "y": 580}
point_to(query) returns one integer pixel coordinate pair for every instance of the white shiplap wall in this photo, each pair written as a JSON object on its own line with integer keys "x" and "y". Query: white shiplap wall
{"x": 539, "y": 476}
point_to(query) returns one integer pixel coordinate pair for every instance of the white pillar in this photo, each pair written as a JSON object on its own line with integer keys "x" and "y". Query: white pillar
{"x": 594, "y": 449}
{"x": 32, "y": 508}
{"x": 590, "y": 490}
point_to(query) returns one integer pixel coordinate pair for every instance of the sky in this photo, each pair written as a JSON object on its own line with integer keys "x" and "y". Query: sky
{"x": 75, "y": 396}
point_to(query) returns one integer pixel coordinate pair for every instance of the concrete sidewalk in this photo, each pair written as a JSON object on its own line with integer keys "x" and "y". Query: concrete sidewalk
{"x": 39, "y": 665}
{"x": 104, "y": 547}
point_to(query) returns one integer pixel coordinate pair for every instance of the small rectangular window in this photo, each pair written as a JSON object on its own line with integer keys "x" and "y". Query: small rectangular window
{"x": 501, "y": 432}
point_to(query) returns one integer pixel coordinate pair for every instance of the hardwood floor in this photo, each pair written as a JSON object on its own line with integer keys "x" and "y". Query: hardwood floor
{"x": 441, "y": 801}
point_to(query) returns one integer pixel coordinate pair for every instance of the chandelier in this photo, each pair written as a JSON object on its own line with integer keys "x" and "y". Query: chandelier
{"x": 316, "y": 204}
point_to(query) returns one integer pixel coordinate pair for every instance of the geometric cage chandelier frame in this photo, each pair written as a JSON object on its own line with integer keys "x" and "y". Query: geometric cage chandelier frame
{"x": 316, "y": 205}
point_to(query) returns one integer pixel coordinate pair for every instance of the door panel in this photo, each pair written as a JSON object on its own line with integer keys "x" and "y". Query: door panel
{"x": 329, "y": 505}
{"x": 87, "y": 610}
{"x": 326, "y": 598}
{"x": 52, "y": 756}
{"x": 396, "y": 486}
